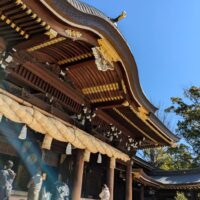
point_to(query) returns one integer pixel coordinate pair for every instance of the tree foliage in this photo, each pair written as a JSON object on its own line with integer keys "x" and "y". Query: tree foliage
{"x": 188, "y": 109}
{"x": 156, "y": 157}
{"x": 180, "y": 196}
{"x": 184, "y": 156}
{"x": 168, "y": 158}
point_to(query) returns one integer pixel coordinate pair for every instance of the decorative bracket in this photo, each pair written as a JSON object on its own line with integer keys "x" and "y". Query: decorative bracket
{"x": 143, "y": 113}
{"x": 105, "y": 55}
{"x": 51, "y": 33}
{"x": 73, "y": 34}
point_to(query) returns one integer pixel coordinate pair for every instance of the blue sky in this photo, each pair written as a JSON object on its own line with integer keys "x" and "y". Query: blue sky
{"x": 164, "y": 36}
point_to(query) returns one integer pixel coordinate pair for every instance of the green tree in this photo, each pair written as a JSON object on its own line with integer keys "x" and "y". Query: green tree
{"x": 188, "y": 111}
{"x": 168, "y": 158}
{"x": 157, "y": 157}
{"x": 187, "y": 155}
{"x": 180, "y": 158}
{"x": 180, "y": 196}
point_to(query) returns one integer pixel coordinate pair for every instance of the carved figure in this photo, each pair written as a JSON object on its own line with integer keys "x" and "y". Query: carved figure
{"x": 105, "y": 193}
{"x": 7, "y": 176}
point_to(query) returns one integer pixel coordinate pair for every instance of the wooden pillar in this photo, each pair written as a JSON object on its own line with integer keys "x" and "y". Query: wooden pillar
{"x": 78, "y": 176}
{"x": 129, "y": 181}
{"x": 110, "y": 178}
{"x": 142, "y": 192}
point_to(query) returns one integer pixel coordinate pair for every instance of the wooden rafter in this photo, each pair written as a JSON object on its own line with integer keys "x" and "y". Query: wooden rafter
{"x": 46, "y": 44}
{"x": 64, "y": 87}
{"x": 50, "y": 78}
{"x": 76, "y": 66}
{"x": 100, "y": 88}
{"x": 134, "y": 125}
{"x": 75, "y": 58}
{"x": 108, "y": 105}
{"x": 57, "y": 25}
{"x": 32, "y": 42}
{"x": 14, "y": 26}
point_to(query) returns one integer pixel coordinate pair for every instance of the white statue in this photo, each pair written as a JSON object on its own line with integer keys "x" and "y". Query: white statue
{"x": 105, "y": 193}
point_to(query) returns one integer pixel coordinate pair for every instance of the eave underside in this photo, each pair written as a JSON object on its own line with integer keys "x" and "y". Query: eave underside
{"x": 53, "y": 61}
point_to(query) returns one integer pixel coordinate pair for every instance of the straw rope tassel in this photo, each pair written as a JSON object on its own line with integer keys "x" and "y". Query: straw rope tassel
{"x": 69, "y": 149}
{"x": 47, "y": 141}
{"x": 99, "y": 159}
{"x": 1, "y": 117}
{"x": 87, "y": 156}
{"x": 23, "y": 133}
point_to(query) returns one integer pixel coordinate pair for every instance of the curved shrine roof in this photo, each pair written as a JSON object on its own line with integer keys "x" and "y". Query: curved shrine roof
{"x": 177, "y": 177}
{"x": 88, "y": 9}
{"x": 85, "y": 15}
{"x": 64, "y": 33}
{"x": 183, "y": 179}
{"x": 82, "y": 14}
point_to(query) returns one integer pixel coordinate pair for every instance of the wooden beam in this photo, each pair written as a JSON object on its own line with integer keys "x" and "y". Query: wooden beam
{"x": 21, "y": 93}
{"x": 108, "y": 105}
{"x": 2, "y": 44}
{"x": 142, "y": 192}
{"x": 101, "y": 114}
{"x": 19, "y": 80}
{"x": 110, "y": 179}
{"x": 31, "y": 42}
{"x": 54, "y": 81}
{"x": 122, "y": 75}
{"x": 77, "y": 61}
{"x": 129, "y": 181}
{"x": 50, "y": 78}
{"x": 78, "y": 176}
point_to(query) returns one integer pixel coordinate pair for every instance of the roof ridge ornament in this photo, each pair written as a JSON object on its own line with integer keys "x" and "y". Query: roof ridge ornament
{"x": 119, "y": 18}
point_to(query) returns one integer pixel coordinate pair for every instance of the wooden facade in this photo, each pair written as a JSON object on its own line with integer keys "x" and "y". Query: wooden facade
{"x": 69, "y": 77}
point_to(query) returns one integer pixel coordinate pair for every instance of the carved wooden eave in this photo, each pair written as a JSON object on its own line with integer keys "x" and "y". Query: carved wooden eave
{"x": 105, "y": 29}
{"x": 74, "y": 55}
{"x": 100, "y": 25}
